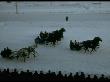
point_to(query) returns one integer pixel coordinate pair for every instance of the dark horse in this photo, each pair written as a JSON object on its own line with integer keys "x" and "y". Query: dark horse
{"x": 93, "y": 44}
{"x": 53, "y": 37}
{"x": 86, "y": 45}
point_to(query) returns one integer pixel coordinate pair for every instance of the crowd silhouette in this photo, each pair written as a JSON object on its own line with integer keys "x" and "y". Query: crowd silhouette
{"x": 6, "y": 75}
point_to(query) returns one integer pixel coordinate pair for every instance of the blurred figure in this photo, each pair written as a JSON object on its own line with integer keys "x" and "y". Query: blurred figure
{"x": 66, "y": 18}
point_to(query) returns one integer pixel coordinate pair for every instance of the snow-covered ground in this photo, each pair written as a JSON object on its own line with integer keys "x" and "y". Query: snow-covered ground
{"x": 20, "y": 30}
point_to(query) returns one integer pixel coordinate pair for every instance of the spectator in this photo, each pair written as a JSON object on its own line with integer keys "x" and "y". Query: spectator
{"x": 66, "y": 18}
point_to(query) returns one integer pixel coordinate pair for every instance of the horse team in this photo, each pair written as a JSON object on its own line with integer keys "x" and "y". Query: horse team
{"x": 21, "y": 53}
{"x": 86, "y": 45}
{"x": 50, "y": 38}
{"x": 55, "y": 36}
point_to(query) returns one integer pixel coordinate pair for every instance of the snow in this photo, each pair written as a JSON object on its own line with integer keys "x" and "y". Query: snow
{"x": 20, "y": 30}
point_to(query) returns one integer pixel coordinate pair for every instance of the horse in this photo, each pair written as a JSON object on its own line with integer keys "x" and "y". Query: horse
{"x": 93, "y": 44}
{"x": 51, "y": 39}
{"x": 46, "y": 38}
{"x": 86, "y": 45}
{"x": 25, "y": 52}
{"x": 61, "y": 32}
{"x": 31, "y": 50}
{"x": 21, "y": 53}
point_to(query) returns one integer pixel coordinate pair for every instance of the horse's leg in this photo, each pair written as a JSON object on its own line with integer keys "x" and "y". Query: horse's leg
{"x": 85, "y": 49}
{"x": 93, "y": 49}
{"x": 34, "y": 53}
{"x": 24, "y": 59}
{"x": 46, "y": 43}
{"x": 88, "y": 49}
{"x": 53, "y": 43}
{"x": 17, "y": 55}
{"x": 37, "y": 53}
{"x": 28, "y": 54}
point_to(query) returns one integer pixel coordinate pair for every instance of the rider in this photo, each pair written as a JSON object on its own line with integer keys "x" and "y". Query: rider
{"x": 75, "y": 42}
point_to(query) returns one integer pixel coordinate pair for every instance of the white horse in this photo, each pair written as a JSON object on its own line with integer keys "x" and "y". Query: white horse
{"x": 26, "y": 52}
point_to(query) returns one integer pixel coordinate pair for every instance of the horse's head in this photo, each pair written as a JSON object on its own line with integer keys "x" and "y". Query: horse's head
{"x": 97, "y": 39}
{"x": 70, "y": 41}
{"x": 62, "y": 30}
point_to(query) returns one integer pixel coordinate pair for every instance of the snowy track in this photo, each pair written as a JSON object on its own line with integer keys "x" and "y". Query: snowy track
{"x": 20, "y": 30}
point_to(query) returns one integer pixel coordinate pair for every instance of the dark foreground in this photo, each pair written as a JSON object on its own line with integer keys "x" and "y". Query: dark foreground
{"x": 6, "y": 75}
